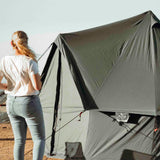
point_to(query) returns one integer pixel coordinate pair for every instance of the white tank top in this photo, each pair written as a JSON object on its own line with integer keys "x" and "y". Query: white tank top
{"x": 17, "y": 70}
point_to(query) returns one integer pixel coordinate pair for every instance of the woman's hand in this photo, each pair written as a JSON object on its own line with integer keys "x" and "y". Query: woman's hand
{"x": 3, "y": 86}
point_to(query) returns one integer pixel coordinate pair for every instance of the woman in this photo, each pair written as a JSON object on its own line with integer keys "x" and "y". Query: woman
{"x": 22, "y": 89}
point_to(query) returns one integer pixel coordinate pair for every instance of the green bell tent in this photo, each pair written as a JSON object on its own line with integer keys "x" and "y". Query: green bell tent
{"x": 101, "y": 92}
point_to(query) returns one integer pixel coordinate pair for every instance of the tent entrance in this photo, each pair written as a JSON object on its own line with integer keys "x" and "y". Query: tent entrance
{"x": 67, "y": 116}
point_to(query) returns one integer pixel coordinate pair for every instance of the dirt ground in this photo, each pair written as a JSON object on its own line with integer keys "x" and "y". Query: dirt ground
{"x": 7, "y": 142}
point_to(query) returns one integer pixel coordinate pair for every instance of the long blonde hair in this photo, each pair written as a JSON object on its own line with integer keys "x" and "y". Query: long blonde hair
{"x": 20, "y": 42}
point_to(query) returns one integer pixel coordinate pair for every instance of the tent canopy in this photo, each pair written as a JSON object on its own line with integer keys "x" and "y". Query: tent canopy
{"x": 116, "y": 67}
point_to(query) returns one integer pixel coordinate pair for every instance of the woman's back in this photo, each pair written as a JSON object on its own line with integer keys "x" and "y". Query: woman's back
{"x": 18, "y": 70}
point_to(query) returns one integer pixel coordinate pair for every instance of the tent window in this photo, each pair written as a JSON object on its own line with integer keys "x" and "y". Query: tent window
{"x": 133, "y": 118}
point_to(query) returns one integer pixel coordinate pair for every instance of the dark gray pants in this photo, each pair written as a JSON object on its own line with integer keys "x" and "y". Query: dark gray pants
{"x": 26, "y": 111}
